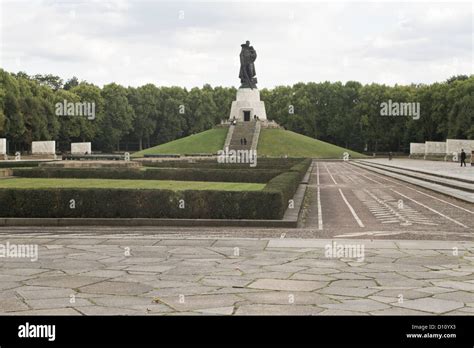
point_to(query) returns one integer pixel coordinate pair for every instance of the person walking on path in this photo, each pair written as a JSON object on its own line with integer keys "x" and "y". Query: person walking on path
{"x": 463, "y": 157}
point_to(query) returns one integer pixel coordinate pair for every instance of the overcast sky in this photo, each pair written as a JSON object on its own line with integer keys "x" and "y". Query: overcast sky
{"x": 134, "y": 42}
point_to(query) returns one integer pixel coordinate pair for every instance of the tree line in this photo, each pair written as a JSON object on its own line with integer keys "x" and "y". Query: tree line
{"x": 129, "y": 118}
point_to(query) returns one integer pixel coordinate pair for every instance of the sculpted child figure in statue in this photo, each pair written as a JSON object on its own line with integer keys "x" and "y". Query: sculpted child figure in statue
{"x": 248, "y": 55}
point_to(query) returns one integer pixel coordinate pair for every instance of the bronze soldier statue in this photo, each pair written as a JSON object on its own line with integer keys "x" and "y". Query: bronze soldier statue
{"x": 248, "y": 55}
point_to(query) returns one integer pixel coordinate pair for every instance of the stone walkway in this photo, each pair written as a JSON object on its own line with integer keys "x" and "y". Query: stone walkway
{"x": 452, "y": 169}
{"x": 132, "y": 274}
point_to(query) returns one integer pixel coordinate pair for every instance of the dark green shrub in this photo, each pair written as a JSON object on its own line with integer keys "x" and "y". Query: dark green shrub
{"x": 19, "y": 164}
{"x": 262, "y": 163}
{"x": 287, "y": 183}
{"x": 179, "y": 174}
{"x": 270, "y": 203}
{"x": 118, "y": 203}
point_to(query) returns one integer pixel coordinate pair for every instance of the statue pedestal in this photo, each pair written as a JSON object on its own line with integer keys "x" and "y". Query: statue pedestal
{"x": 247, "y": 105}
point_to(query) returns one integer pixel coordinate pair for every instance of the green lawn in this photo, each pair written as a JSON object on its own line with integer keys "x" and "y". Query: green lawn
{"x": 39, "y": 183}
{"x": 272, "y": 143}
{"x": 280, "y": 142}
{"x": 209, "y": 141}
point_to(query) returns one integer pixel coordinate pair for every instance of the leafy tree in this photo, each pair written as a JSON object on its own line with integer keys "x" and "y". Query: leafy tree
{"x": 55, "y": 82}
{"x": 118, "y": 116}
{"x": 71, "y": 83}
{"x": 344, "y": 114}
{"x": 145, "y": 102}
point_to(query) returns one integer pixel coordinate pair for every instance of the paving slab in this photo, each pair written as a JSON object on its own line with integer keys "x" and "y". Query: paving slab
{"x": 116, "y": 288}
{"x": 432, "y": 305}
{"x": 202, "y": 276}
{"x": 12, "y": 304}
{"x": 195, "y": 302}
{"x": 285, "y": 298}
{"x": 287, "y": 285}
{"x": 359, "y": 305}
{"x": 270, "y": 309}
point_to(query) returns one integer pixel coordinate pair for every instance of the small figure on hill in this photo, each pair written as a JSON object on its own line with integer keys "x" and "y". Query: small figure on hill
{"x": 463, "y": 157}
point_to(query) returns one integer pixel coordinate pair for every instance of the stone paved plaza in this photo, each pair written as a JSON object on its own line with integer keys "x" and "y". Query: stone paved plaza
{"x": 452, "y": 169}
{"x": 161, "y": 274}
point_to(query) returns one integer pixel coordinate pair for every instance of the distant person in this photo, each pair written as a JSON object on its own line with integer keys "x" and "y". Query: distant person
{"x": 390, "y": 156}
{"x": 463, "y": 157}
{"x": 245, "y": 141}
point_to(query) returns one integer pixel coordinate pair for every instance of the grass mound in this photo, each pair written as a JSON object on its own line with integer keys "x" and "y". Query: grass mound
{"x": 209, "y": 141}
{"x": 280, "y": 142}
{"x": 272, "y": 143}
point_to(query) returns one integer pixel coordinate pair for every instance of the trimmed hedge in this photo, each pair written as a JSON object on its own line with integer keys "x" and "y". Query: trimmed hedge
{"x": 19, "y": 164}
{"x": 269, "y": 203}
{"x": 262, "y": 163}
{"x": 287, "y": 183}
{"x": 120, "y": 203}
{"x": 179, "y": 174}
{"x": 301, "y": 167}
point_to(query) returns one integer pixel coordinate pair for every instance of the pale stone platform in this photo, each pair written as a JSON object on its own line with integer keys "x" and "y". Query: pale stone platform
{"x": 3, "y": 146}
{"x": 417, "y": 149}
{"x": 435, "y": 148}
{"x": 452, "y": 169}
{"x": 43, "y": 147}
{"x": 81, "y": 148}
{"x": 456, "y": 145}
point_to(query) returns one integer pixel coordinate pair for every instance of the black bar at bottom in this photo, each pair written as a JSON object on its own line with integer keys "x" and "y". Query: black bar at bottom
{"x": 133, "y": 331}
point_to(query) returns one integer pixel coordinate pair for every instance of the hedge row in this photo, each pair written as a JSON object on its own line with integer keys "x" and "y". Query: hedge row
{"x": 262, "y": 163}
{"x": 270, "y": 203}
{"x": 179, "y": 174}
{"x": 287, "y": 183}
{"x": 19, "y": 164}
{"x": 121, "y": 203}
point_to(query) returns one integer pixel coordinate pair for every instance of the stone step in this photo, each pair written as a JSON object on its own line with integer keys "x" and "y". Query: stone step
{"x": 242, "y": 130}
{"x": 448, "y": 191}
{"x": 425, "y": 176}
{"x": 240, "y": 147}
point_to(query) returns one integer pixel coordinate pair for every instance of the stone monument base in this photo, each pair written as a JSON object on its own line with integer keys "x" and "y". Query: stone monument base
{"x": 43, "y": 147}
{"x": 247, "y": 105}
{"x": 81, "y": 148}
{"x": 3, "y": 146}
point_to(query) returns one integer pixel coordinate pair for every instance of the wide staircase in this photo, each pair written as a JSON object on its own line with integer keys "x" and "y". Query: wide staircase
{"x": 244, "y": 130}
